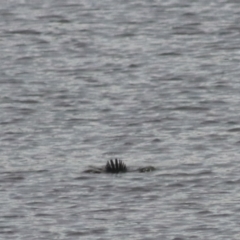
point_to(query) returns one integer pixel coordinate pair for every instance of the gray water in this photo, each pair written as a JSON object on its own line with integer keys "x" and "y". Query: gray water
{"x": 150, "y": 82}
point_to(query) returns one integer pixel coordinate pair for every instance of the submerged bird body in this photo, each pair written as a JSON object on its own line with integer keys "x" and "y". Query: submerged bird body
{"x": 117, "y": 166}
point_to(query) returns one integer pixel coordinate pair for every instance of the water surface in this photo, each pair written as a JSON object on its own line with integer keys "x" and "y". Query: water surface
{"x": 149, "y": 82}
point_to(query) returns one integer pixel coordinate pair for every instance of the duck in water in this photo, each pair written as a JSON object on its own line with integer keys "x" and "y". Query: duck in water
{"x": 117, "y": 166}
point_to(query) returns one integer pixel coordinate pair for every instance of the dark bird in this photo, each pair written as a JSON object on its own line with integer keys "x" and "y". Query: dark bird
{"x": 117, "y": 166}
